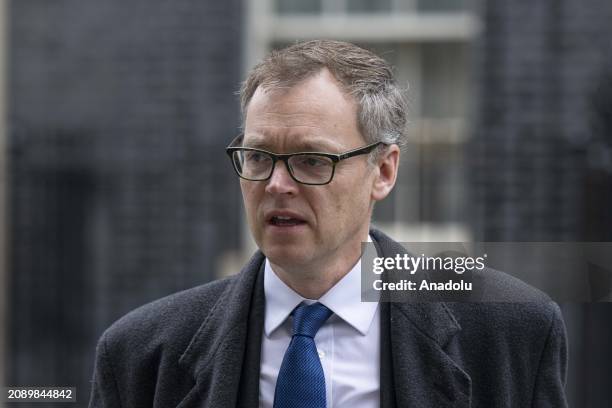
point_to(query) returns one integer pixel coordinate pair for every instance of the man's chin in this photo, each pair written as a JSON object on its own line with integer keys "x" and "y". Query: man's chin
{"x": 286, "y": 255}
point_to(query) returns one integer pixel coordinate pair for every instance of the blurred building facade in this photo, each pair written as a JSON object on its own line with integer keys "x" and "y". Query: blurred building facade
{"x": 541, "y": 151}
{"x": 120, "y": 192}
{"x": 541, "y": 147}
{"x": 119, "y": 113}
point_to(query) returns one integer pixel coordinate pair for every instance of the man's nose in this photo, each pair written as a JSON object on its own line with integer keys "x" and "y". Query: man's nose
{"x": 281, "y": 181}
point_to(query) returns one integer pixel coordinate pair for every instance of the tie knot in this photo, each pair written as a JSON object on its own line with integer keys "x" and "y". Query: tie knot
{"x": 308, "y": 319}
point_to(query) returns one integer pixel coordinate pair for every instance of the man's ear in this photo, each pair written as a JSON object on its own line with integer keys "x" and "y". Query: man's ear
{"x": 386, "y": 165}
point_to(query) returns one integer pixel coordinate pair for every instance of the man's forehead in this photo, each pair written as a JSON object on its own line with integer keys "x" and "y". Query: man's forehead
{"x": 315, "y": 93}
{"x": 322, "y": 77}
{"x": 314, "y": 115}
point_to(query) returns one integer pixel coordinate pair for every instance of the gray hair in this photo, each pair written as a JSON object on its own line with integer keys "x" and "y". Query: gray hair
{"x": 381, "y": 106}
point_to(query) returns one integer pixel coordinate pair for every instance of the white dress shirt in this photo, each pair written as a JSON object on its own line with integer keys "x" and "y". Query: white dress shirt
{"x": 348, "y": 343}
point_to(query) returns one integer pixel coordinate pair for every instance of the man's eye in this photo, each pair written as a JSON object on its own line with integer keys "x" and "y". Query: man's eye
{"x": 313, "y": 161}
{"x": 255, "y": 157}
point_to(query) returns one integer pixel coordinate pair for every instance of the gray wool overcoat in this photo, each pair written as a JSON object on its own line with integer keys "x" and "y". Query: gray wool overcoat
{"x": 201, "y": 348}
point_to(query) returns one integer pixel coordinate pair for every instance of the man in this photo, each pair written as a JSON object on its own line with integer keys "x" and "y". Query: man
{"x": 322, "y": 124}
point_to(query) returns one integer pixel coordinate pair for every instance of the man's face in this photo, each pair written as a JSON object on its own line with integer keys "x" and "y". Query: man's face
{"x": 327, "y": 221}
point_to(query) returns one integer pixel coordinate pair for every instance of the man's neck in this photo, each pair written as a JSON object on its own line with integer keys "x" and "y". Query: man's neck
{"x": 314, "y": 280}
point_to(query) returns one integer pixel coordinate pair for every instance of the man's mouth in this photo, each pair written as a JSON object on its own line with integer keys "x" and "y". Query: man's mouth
{"x": 282, "y": 221}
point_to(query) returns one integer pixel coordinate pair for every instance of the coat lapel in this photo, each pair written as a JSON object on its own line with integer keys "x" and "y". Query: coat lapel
{"x": 420, "y": 367}
{"x": 223, "y": 356}
{"x": 425, "y": 374}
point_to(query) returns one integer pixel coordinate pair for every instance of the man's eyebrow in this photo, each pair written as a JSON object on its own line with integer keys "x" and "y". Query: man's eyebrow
{"x": 317, "y": 145}
{"x": 255, "y": 143}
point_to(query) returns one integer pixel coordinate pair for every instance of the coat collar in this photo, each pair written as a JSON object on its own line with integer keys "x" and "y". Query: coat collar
{"x": 418, "y": 335}
{"x": 215, "y": 356}
{"x": 434, "y": 319}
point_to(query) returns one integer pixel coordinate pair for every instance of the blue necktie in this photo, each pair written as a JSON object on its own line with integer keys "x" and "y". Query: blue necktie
{"x": 300, "y": 382}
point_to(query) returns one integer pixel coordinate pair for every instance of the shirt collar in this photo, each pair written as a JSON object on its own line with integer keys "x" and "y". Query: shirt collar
{"x": 280, "y": 299}
{"x": 344, "y": 299}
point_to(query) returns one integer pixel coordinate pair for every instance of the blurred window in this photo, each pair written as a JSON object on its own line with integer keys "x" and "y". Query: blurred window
{"x": 444, "y": 5}
{"x": 298, "y": 6}
{"x": 363, "y": 6}
{"x": 370, "y": 6}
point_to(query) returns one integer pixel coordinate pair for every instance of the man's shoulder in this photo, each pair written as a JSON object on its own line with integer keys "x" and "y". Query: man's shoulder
{"x": 171, "y": 320}
{"x": 508, "y": 316}
{"x": 497, "y": 286}
{"x": 508, "y": 308}
{"x": 499, "y": 303}
{"x": 506, "y": 305}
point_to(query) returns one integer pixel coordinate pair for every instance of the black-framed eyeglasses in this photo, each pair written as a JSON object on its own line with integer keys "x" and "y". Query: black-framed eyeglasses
{"x": 310, "y": 168}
